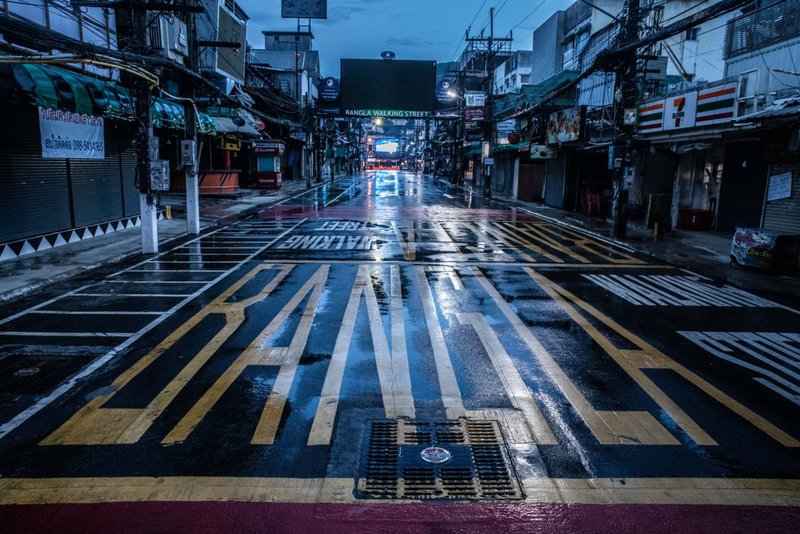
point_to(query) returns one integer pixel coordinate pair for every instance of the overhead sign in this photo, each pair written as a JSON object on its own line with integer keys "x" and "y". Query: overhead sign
{"x": 651, "y": 117}
{"x": 329, "y": 90}
{"x": 399, "y": 85}
{"x": 390, "y": 113}
{"x": 716, "y": 105}
{"x": 679, "y": 111}
{"x": 443, "y": 92}
{"x": 473, "y": 114}
{"x": 475, "y": 99}
{"x": 304, "y": 9}
{"x": 71, "y": 135}
{"x": 566, "y": 125}
{"x": 656, "y": 69}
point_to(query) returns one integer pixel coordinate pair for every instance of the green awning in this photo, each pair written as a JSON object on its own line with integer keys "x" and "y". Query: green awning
{"x": 166, "y": 114}
{"x": 512, "y": 147}
{"x": 56, "y": 88}
{"x": 169, "y": 114}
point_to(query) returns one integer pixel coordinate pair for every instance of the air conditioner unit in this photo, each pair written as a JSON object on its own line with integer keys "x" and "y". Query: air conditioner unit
{"x": 170, "y": 36}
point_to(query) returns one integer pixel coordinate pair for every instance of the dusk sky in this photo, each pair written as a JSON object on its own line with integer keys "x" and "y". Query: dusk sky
{"x": 413, "y": 29}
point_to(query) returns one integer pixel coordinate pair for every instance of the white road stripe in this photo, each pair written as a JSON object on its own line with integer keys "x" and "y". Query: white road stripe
{"x": 104, "y": 359}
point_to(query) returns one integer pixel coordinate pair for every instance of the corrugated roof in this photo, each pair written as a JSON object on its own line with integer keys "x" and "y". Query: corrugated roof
{"x": 285, "y": 60}
{"x": 532, "y": 94}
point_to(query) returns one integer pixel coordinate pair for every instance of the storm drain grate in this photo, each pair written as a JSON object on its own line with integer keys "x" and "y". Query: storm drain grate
{"x": 466, "y": 459}
{"x": 37, "y": 374}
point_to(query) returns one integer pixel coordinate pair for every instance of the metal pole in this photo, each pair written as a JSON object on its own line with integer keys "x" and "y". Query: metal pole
{"x": 192, "y": 186}
{"x": 487, "y": 187}
{"x": 144, "y": 137}
{"x": 626, "y": 94}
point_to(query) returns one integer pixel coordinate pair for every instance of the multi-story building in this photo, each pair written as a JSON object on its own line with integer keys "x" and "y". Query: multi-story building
{"x": 513, "y": 73}
{"x": 289, "y": 56}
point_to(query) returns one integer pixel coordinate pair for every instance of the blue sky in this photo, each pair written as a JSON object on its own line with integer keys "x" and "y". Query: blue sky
{"x": 413, "y": 29}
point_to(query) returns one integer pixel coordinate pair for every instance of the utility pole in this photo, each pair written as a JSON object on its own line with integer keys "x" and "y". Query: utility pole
{"x": 492, "y": 43}
{"x": 144, "y": 136}
{"x": 626, "y": 95}
{"x": 190, "y": 146}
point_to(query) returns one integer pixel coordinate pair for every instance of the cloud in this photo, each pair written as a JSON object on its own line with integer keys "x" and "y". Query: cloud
{"x": 411, "y": 41}
{"x": 344, "y": 12}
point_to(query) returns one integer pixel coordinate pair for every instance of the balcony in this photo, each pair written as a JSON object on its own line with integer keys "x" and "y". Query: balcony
{"x": 762, "y": 28}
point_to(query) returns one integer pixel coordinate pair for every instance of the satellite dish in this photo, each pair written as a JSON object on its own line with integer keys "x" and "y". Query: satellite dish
{"x": 388, "y": 54}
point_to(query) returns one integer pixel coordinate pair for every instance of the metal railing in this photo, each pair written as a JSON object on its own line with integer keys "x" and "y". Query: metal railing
{"x": 764, "y": 27}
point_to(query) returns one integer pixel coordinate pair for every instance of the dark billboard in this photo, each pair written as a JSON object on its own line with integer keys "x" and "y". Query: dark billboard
{"x": 387, "y": 87}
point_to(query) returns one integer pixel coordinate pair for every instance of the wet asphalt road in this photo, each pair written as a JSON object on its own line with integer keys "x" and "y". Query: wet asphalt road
{"x": 256, "y": 362}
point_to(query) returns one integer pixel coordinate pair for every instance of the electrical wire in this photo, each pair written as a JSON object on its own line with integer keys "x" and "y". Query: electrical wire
{"x": 529, "y": 15}
{"x": 463, "y": 36}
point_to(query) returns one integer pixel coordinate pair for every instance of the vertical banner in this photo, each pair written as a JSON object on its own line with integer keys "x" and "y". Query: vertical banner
{"x": 71, "y": 135}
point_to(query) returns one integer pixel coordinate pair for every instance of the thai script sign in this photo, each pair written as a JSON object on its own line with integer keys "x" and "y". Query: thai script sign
{"x": 71, "y": 135}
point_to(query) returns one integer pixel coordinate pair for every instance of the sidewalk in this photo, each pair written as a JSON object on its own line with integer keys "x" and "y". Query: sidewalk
{"x": 705, "y": 253}
{"x": 30, "y": 273}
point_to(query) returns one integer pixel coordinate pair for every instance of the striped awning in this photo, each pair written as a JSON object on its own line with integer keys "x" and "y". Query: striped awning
{"x": 170, "y": 115}
{"x": 56, "y": 88}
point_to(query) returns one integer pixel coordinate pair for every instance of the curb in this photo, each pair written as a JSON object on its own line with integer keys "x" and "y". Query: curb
{"x": 23, "y": 291}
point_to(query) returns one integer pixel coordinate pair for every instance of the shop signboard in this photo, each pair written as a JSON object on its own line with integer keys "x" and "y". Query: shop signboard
{"x": 651, "y": 117}
{"x": 329, "y": 92}
{"x": 566, "y": 125}
{"x": 716, "y": 105}
{"x": 444, "y": 90}
{"x": 304, "y": 9}
{"x": 473, "y": 114}
{"x": 679, "y": 111}
{"x": 475, "y": 99}
{"x": 71, "y": 135}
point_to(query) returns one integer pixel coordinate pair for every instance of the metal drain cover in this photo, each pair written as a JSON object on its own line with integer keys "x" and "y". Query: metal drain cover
{"x": 464, "y": 459}
{"x": 435, "y": 455}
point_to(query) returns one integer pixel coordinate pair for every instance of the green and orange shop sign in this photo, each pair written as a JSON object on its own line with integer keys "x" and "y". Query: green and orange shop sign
{"x": 706, "y": 107}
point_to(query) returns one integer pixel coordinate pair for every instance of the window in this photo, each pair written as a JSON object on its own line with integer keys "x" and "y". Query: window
{"x": 691, "y": 34}
{"x": 569, "y": 51}
{"x": 583, "y": 37}
{"x": 748, "y": 85}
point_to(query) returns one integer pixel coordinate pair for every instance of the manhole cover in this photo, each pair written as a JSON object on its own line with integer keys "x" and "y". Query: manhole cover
{"x": 464, "y": 459}
{"x": 435, "y": 455}
{"x": 28, "y": 374}
{"x": 28, "y": 371}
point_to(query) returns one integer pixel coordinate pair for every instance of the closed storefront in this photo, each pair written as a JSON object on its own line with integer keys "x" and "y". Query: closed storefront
{"x": 68, "y": 168}
{"x": 782, "y": 202}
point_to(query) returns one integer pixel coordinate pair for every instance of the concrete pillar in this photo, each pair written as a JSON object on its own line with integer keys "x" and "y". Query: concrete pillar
{"x": 192, "y": 202}
{"x": 149, "y": 217}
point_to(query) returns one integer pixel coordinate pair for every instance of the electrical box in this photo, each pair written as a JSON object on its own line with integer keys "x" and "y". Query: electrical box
{"x": 188, "y": 153}
{"x": 628, "y": 177}
{"x": 159, "y": 175}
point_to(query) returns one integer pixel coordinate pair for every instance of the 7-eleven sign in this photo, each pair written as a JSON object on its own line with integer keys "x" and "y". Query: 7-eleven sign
{"x": 680, "y": 111}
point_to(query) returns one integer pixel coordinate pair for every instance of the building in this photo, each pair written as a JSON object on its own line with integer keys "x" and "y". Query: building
{"x": 548, "y": 56}
{"x": 513, "y": 73}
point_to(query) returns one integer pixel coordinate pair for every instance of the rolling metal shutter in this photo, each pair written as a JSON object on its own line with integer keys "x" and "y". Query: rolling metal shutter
{"x": 128, "y": 165}
{"x": 783, "y": 216}
{"x": 34, "y": 194}
{"x": 554, "y": 188}
{"x": 97, "y": 185}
